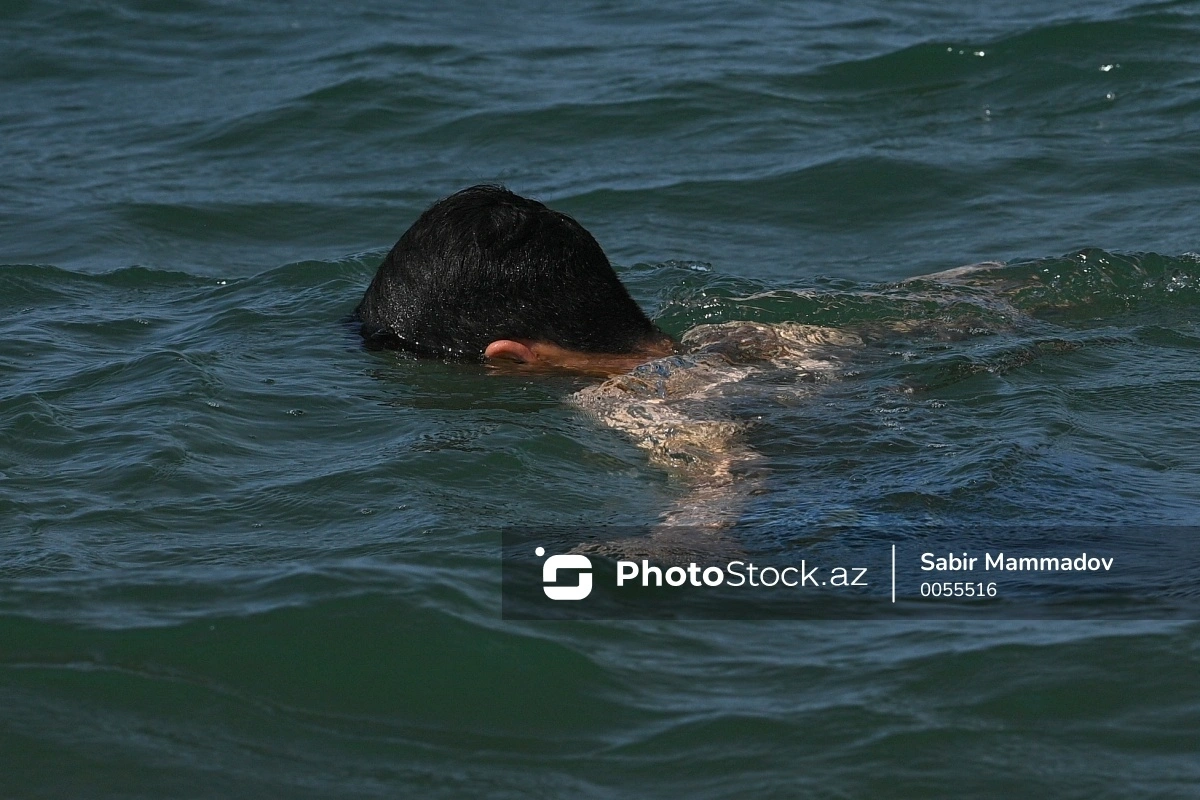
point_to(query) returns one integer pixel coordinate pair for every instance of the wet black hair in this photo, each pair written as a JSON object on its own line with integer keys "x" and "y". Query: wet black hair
{"x": 486, "y": 264}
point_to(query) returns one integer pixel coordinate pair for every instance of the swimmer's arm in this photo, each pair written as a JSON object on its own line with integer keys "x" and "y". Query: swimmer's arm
{"x": 715, "y": 470}
{"x": 962, "y": 275}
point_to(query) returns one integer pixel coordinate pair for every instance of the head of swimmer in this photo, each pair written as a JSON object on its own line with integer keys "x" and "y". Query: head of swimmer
{"x": 487, "y": 275}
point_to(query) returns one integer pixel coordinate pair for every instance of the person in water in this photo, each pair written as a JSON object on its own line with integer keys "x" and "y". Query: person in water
{"x": 488, "y": 276}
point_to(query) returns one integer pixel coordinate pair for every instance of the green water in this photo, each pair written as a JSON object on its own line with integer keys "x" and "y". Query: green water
{"x": 242, "y": 556}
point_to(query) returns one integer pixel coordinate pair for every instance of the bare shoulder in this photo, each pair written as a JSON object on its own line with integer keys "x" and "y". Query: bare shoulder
{"x": 783, "y": 345}
{"x": 675, "y": 407}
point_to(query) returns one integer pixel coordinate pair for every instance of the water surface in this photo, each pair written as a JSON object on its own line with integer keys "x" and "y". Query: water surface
{"x": 243, "y": 556}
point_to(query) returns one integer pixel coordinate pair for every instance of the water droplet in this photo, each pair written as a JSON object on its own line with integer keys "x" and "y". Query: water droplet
{"x": 981, "y": 53}
{"x": 1110, "y": 96}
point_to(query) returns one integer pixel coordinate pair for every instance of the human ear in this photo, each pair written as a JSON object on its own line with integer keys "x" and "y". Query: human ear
{"x": 510, "y": 350}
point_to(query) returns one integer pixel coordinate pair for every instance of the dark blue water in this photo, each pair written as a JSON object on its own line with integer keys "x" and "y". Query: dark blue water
{"x": 242, "y": 556}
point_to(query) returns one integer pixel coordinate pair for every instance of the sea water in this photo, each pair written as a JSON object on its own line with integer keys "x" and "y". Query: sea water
{"x": 242, "y": 556}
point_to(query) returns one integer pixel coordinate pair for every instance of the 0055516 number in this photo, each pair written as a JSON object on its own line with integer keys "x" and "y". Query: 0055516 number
{"x": 958, "y": 589}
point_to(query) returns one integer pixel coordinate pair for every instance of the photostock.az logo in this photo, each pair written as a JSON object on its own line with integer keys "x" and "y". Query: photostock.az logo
{"x": 569, "y": 561}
